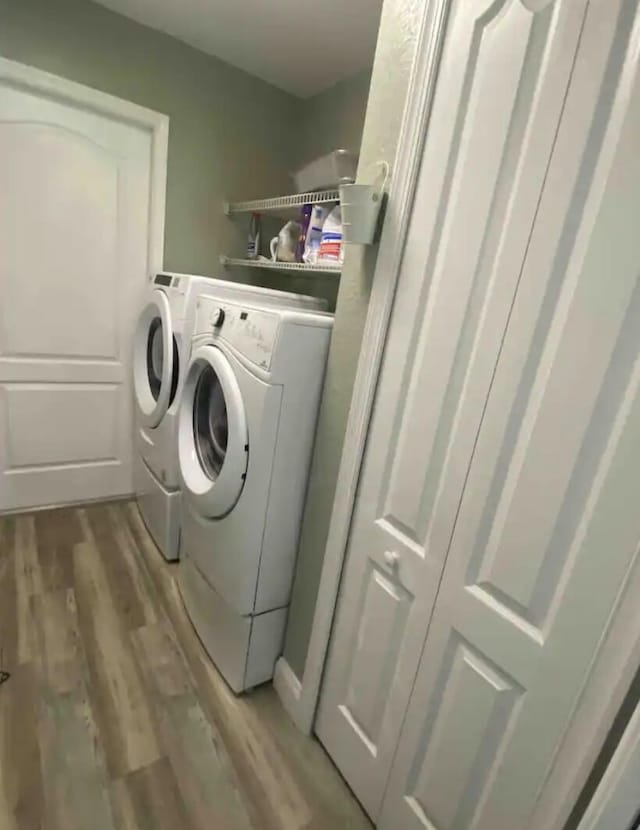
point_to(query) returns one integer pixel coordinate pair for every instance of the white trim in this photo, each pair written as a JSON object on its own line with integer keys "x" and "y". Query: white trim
{"x": 22, "y": 76}
{"x": 289, "y": 690}
{"x": 616, "y": 802}
{"x": 400, "y": 204}
{"x": 124, "y": 497}
{"x": 158, "y": 195}
{"x": 610, "y": 678}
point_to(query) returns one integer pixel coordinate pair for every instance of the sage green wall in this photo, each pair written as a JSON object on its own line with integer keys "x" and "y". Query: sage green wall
{"x": 389, "y": 84}
{"x": 326, "y": 121}
{"x": 231, "y": 135}
{"x": 333, "y": 119}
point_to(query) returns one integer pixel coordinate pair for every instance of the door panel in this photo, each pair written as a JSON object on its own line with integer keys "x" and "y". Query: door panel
{"x": 504, "y": 72}
{"x": 546, "y": 534}
{"x": 72, "y": 231}
{"x": 382, "y": 619}
{"x": 476, "y": 704}
{"x": 74, "y": 236}
{"x": 59, "y": 424}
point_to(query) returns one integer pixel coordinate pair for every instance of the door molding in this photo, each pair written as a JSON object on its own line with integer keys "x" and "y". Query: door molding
{"x": 300, "y": 698}
{"x": 26, "y": 77}
{"x": 612, "y": 674}
{"x": 615, "y": 802}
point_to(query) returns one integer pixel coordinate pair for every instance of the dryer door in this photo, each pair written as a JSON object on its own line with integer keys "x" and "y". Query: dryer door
{"x": 155, "y": 360}
{"x": 213, "y": 441}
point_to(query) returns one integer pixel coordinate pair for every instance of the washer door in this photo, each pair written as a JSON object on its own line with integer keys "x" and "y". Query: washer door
{"x": 213, "y": 442}
{"x": 155, "y": 360}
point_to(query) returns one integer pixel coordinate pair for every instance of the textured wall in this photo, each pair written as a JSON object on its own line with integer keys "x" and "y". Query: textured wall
{"x": 327, "y": 121}
{"x": 231, "y": 135}
{"x": 333, "y": 118}
{"x": 389, "y": 82}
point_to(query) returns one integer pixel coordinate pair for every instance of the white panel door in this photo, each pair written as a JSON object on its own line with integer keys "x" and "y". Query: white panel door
{"x": 75, "y": 213}
{"x": 548, "y": 528}
{"x": 504, "y": 72}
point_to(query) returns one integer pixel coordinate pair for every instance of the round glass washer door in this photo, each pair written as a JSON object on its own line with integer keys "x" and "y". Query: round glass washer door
{"x": 213, "y": 443}
{"x": 155, "y": 360}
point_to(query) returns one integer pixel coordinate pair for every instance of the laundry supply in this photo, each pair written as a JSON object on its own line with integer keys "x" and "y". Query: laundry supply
{"x": 283, "y": 246}
{"x": 305, "y": 219}
{"x": 253, "y": 240}
{"x": 314, "y": 233}
{"x": 331, "y": 248}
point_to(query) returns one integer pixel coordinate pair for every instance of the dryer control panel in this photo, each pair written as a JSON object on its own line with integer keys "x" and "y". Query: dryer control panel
{"x": 175, "y": 288}
{"x": 252, "y": 332}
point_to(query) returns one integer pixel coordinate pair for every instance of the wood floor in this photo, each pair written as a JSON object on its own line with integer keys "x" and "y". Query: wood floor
{"x": 113, "y": 717}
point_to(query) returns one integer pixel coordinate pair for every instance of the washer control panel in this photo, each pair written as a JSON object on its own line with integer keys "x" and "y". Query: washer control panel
{"x": 252, "y": 332}
{"x": 174, "y": 287}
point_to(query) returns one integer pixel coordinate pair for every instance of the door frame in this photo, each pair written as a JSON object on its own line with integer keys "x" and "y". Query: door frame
{"x": 300, "y": 697}
{"x": 615, "y": 802}
{"x": 22, "y": 76}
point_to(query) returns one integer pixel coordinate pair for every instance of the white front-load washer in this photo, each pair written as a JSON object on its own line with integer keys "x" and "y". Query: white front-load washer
{"x": 161, "y": 350}
{"x": 246, "y": 425}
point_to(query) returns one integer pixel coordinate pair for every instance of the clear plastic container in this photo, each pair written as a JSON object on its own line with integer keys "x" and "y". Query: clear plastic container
{"x": 337, "y": 167}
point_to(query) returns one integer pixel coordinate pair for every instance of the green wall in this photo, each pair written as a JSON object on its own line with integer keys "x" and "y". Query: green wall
{"x": 231, "y": 135}
{"x": 326, "y": 121}
{"x": 333, "y": 118}
{"x": 389, "y": 84}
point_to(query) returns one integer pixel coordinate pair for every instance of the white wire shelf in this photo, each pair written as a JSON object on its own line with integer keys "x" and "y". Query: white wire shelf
{"x": 286, "y": 203}
{"x": 297, "y": 267}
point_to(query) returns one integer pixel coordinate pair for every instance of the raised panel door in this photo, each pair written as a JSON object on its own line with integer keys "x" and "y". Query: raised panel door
{"x": 547, "y": 532}
{"x": 504, "y": 71}
{"x": 75, "y": 207}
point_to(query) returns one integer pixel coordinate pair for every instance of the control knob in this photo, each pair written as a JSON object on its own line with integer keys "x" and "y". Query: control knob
{"x": 217, "y": 317}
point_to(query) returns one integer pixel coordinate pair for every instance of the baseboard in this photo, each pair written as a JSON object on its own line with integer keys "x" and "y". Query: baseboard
{"x": 289, "y": 690}
{"x": 69, "y": 504}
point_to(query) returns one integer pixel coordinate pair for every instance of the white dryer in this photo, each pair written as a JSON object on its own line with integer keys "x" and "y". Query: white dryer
{"x": 246, "y": 426}
{"x": 161, "y": 350}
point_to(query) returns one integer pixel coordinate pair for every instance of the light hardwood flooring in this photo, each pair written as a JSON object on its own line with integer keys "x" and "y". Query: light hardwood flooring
{"x": 114, "y": 718}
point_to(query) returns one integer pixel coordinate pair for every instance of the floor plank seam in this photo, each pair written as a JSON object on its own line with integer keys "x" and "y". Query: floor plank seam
{"x": 114, "y": 717}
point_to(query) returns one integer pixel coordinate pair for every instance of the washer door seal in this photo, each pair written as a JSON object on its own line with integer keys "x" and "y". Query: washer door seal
{"x": 213, "y": 441}
{"x": 154, "y": 353}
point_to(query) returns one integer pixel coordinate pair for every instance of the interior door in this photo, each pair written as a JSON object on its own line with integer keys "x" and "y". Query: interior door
{"x": 548, "y": 529}
{"x": 503, "y": 76}
{"x": 75, "y": 207}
